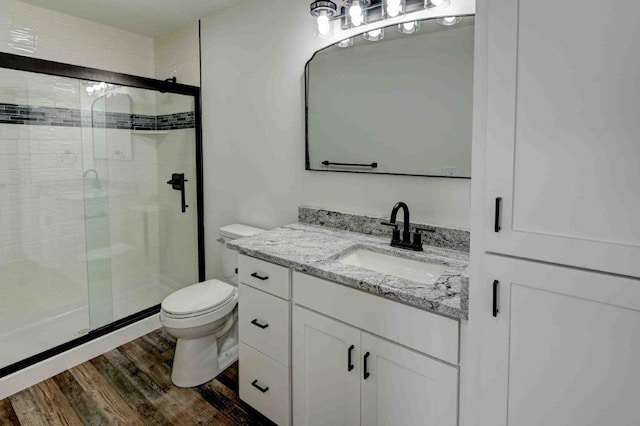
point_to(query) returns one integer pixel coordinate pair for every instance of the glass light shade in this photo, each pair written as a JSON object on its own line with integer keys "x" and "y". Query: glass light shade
{"x": 323, "y": 26}
{"x": 409, "y": 27}
{"x": 374, "y": 35}
{"x": 346, "y": 43}
{"x": 448, "y": 21}
{"x": 393, "y": 8}
{"x": 357, "y": 14}
{"x": 431, "y": 4}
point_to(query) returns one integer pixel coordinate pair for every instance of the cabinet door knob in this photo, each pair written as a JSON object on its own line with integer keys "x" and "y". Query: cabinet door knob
{"x": 257, "y": 324}
{"x": 366, "y": 369}
{"x": 260, "y": 388}
{"x": 255, "y": 275}
{"x": 349, "y": 363}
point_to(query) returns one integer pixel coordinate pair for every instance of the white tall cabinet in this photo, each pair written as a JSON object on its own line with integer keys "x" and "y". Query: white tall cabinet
{"x": 563, "y": 132}
{"x": 557, "y": 272}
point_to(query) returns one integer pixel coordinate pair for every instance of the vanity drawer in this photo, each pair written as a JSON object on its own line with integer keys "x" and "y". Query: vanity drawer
{"x": 415, "y": 328}
{"x": 264, "y": 323}
{"x": 259, "y": 371}
{"x": 274, "y": 279}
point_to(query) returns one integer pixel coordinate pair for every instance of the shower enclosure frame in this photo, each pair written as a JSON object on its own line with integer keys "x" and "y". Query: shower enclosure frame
{"x": 42, "y": 66}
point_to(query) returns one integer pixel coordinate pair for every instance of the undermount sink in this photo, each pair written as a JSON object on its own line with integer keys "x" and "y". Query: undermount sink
{"x": 414, "y": 270}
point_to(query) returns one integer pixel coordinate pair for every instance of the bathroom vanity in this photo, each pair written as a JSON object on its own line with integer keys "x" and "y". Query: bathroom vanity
{"x": 324, "y": 337}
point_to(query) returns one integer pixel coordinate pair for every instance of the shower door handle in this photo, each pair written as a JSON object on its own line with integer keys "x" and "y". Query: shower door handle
{"x": 177, "y": 182}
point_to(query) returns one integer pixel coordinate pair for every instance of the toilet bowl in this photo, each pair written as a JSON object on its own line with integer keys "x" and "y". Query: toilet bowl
{"x": 203, "y": 318}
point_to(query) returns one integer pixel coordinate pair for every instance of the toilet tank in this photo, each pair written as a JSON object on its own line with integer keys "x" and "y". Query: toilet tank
{"x": 230, "y": 257}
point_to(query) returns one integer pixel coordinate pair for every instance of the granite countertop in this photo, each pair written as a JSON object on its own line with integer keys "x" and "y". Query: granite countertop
{"x": 314, "y": 250}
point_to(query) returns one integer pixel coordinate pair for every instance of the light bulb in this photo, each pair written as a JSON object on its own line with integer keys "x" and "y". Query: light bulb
{"x": 374, "y": 35}
{"x": 449, "y": 20}
{"x": 324, "y": 26}
{"x": 103, "y": 85}
{"x": 432, "y": 4}
{"x": 90, "y": 90}
{"x": 346, "y": 43}
{"x": 394, "y": 7}
{"x": 96, "y": 87}
{"x": 409, "y": 27}
{"x": 355, "y": 13}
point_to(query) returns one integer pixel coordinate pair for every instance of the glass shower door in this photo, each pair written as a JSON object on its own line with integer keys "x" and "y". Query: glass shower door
{"x": 99, "y": 217}
{"x": 146, "y": 246}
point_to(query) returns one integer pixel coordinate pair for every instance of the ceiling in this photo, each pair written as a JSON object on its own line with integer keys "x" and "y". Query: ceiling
{"x": 148, "y": 17}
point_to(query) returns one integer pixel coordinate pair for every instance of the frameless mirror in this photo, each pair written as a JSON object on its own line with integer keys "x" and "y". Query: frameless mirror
{"x": 399, "y": 105}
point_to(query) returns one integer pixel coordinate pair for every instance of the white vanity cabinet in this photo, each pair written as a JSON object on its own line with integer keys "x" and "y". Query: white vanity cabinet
{"x": 264, "y": 327}
{"x": 343, "y": 374}
{"x": 562, "y": 133}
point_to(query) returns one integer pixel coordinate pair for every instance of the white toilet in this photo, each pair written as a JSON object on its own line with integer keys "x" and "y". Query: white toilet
{"x": 203, "y": 318}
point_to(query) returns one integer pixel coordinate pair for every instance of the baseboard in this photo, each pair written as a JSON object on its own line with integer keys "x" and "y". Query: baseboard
{"x": 36, "y": 373}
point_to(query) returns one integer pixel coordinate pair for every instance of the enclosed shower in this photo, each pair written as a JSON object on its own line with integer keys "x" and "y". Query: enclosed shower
{"x": 100, "y": 203}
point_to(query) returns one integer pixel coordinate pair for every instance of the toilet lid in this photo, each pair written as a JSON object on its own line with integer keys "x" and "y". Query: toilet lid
{"x": 204, "y": 296}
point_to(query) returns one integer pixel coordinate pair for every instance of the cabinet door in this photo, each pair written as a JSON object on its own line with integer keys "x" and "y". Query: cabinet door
{"x": 562, "y": 132}
{"x": 326, "y": 387}
{"x": 403, "y": 387}
{"x": 563, "y": 347}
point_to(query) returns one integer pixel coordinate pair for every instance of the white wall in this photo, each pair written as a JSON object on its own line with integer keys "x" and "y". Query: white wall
{"x": 41, "y": 33}
{"x": 177, "y": 54}
{"x": 253, "y": 57}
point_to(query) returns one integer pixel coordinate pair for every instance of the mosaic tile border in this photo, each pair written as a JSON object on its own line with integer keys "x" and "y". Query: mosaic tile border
{"x": 67, "y": 117}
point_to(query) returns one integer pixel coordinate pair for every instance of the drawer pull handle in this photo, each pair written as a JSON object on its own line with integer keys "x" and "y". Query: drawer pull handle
{"x": 365, "y": 369}
{"x": 349, "y": 362}
{"x": 257, "y": 324}
{"x": 255, "y": 275}
{"x": 260, "y": 388}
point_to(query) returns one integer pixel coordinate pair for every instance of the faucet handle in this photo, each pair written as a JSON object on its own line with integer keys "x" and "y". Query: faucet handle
{"x": 395, "y": 225}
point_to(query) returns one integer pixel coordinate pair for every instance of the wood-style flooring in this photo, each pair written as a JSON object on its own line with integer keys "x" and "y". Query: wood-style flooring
{"x": 130, "y": 385}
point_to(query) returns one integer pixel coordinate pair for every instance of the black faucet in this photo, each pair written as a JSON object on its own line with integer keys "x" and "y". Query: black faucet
{"x": 406, "y": 242}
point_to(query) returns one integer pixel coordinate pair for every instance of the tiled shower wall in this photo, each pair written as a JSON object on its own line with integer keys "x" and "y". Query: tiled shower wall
{"x": 37, "y": 32}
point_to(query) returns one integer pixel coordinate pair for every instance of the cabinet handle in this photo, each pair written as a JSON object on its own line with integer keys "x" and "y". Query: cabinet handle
{"x": 260, "y": 388}
{"x": 365, "y": 369}
{"x": 496, "y": 225}
{"x": 349, "y": 363}
{"x": 255, "y": 275}
{"x": 257, "y": 324}
{"x": 495, "y": 298}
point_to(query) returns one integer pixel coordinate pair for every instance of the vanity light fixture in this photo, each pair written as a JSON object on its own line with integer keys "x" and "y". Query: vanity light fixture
{"x": 374, "y": 35}
{"x": 448, "y": 21}
{"x": 323, "y": 11}
{"x": 393, "y": 8}
{"x": 348, "y": 14}
{"x": 346, "y": 42}
{"x": 409, "y": 27}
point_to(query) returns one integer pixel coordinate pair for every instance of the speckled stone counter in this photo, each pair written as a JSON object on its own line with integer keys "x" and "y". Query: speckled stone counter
{"x": 314, "y": 250}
